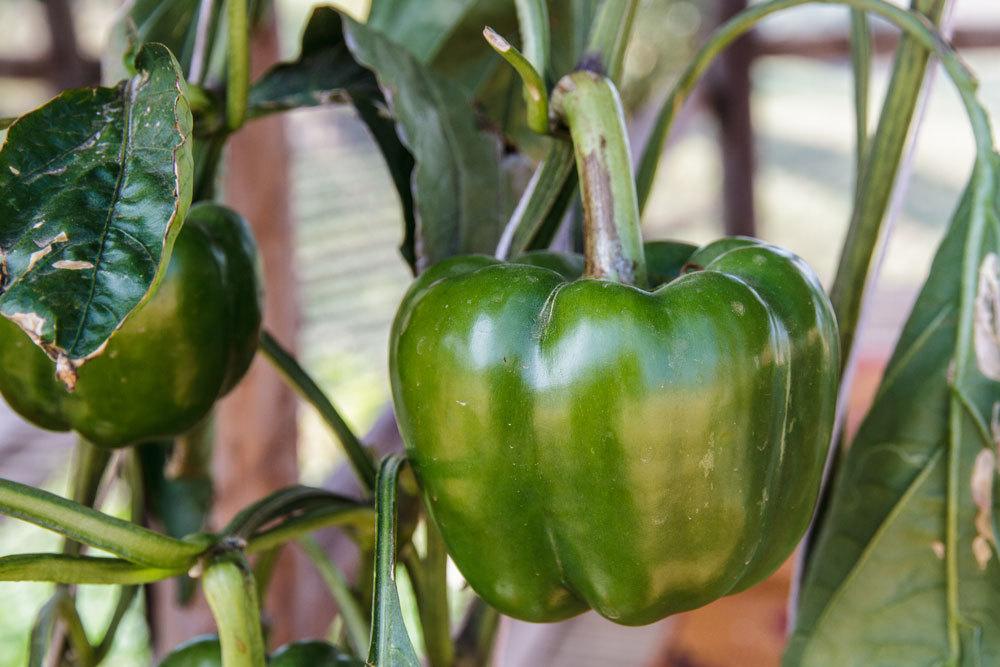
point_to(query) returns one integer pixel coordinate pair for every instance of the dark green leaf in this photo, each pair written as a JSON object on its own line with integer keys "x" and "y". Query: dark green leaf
{"x": 93, "y": 189}
{"x": 390, "y": 643}
{"x": 424, "y": 26}
{"x": 456, "y": 181}
{"x": 325, "y": 72}
{"x": 905, "y": 569}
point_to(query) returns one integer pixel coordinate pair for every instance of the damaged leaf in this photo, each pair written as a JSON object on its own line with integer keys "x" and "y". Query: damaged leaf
{"x": 93, "y": 189}
{"x": 904, "y": 569}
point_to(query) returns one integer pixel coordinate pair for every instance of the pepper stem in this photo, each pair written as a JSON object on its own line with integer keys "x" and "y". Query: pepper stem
{"x": 588, "y": 103}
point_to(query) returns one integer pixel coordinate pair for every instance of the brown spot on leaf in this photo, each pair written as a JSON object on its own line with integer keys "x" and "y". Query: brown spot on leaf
{"x": 73, "y": 265}
{"x": 66, "y": 372}
{"x": 983, "y": 472}
{"x": 987, "y": 324}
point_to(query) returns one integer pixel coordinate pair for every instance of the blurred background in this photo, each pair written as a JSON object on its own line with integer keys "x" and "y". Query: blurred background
{"x": 764, "y": 148}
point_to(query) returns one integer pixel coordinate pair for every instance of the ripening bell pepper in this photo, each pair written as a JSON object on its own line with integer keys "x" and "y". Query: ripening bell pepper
{"x": 173, "y": 357}
{"x": 637, "y": 449}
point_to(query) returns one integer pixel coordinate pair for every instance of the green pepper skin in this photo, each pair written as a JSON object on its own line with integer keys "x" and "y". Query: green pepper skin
{"x": 312, "y": 654}
{"x": 587, "y": 444}
{"x": 162, "y": 371}
{"x": 206, "y": 651}
{"x": 202, "y": 651}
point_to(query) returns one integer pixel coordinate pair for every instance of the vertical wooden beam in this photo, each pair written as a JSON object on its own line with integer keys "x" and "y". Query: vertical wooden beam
{"x": 67, "y": 67}
{"x": 729, "y": 98}
{"x": 256, "y": 426}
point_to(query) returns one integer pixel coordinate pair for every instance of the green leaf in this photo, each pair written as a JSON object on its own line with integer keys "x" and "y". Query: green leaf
{"x": 94, "y": 187}
{"x": 425, "y": 27}
{"x": 390, "y": 643}
{"x": 326, "y": 72}
{"x": 905, "y": 569}
{"x": 456, "y": 182}
{"x": 42, "y": 629}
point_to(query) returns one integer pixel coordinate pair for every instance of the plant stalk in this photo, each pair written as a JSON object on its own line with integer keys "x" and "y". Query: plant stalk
{"x": 307, "y": 388}
{"x": 231, "y": 592}
{"x": 588, "y": 103}
{"x": 878, "y": 175}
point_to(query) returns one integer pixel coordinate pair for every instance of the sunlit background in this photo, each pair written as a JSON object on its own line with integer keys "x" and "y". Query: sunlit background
{"x": 348, "y": 225}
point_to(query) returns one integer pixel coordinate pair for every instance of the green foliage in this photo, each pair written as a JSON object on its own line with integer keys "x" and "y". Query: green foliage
{"x": 95, "y": 186}
{"x": 905, "y": 568}
{"x": 390, "y": 643}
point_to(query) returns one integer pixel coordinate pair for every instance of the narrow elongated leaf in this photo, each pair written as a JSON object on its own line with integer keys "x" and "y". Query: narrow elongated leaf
{"x": 456, "y": 181}
{"x": 905, "y": 569}
{"x": 93, "y": 189}
{"x": 326, "y": 72}
{"x": 390, "y": 644}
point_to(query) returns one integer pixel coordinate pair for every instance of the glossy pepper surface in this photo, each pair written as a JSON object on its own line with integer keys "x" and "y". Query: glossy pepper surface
{"x": 173, "y": 357}
{"x": 206, "y": 651}
{"x": 582, "y": 443}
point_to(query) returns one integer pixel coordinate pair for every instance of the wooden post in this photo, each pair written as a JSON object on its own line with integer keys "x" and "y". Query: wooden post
{"x": 729, "y": 98}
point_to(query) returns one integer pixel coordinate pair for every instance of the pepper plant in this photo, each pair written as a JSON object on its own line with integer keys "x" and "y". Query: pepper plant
{"x": 590, "y": 421}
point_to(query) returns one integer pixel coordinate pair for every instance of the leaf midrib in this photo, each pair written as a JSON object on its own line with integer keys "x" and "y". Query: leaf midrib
{"x": 130, "y": 92}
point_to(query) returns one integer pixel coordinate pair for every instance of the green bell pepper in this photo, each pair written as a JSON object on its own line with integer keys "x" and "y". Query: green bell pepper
{"x": 201, "y": 651}
{"x": 206, "y": 651}
{"x": 312, "y": 654}
{"x": 162, "y": 371}
{"x": 627, "y": 441}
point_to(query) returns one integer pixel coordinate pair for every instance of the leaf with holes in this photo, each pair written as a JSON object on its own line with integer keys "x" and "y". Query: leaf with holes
{"x": 94, "y": 187}
{"x": 905, "y": 568}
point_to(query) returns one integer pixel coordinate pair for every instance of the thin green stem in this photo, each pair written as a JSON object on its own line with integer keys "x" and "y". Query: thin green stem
{"x": 126, "y": 596}
{"x": 307, "y": 388}
{"x": 68, "y": 614}
{"x": 83, "y": 524}
{"x": 358, "y": 629}
{"x": 89, "y": 464}
{"x": 231, "y": 592}
{"x": 912, "y": 23}
{"x": 282, "y": 503}
{"x": 542, "y": 204}
{"x": 610, "y": 35}
{"x": 861, "y": 64}
{"x": 69, "y": 569}
{"x": 878, "y": 174}
{"x": 428, "y": 576}
{"x": 237, "y": 63}
{"x": 359, "y": 518}
{"x": 535, "y": 94}
{"x": 589, "y": 105}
